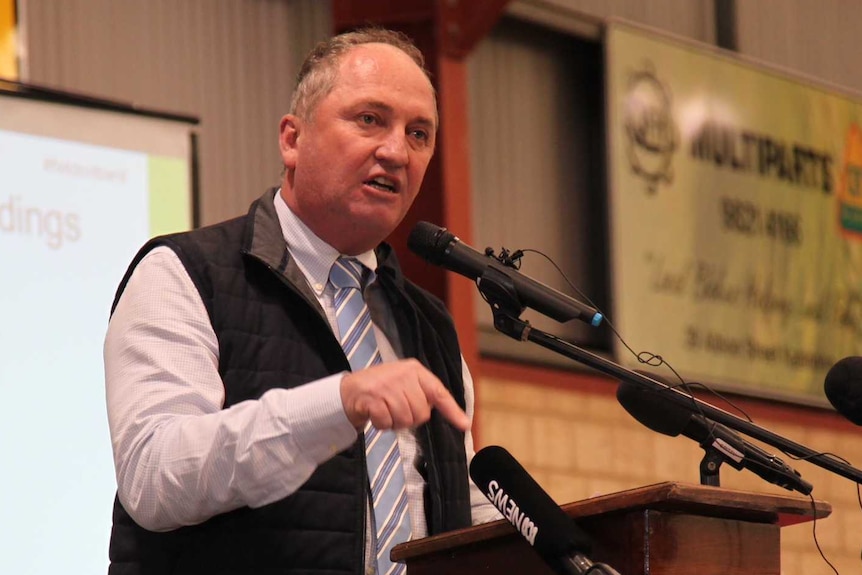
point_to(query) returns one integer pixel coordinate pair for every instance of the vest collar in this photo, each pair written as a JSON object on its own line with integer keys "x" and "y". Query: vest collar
{"x": 264, "y": 240}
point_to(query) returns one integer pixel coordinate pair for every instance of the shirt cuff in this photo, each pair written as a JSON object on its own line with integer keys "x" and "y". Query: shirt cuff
{"x": 321, "y": 425}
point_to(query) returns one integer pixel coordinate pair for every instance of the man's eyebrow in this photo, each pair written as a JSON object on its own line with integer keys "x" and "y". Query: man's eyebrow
{"x": 384, "y": 107}
{"x": 426, "y": 122}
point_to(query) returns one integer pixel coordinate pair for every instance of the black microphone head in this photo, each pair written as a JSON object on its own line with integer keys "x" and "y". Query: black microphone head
{"x": 526, "y": 505}
{"x": 653, "y": 410}
{"x": 843, "y": 387}
{"x": 428, "y": 241}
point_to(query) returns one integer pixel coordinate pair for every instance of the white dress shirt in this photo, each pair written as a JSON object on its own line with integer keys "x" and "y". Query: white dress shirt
{"x": 181, "y": 458}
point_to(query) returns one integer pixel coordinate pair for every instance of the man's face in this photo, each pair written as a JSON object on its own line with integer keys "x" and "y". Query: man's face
{"x": 355, "y": 164}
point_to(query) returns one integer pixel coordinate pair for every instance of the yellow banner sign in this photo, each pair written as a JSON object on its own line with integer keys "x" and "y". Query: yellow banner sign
{"x": 736, "y": 216}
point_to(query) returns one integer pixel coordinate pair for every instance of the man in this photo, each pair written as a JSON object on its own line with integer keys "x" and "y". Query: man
{"x": 257, "y": 426}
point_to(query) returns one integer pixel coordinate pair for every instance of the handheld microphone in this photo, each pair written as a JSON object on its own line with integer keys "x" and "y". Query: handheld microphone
{"x": 539, "y": 520}
{"x": 440, "y": 247}
{"x": 655, "y": 411}
{"x": 843, "y": 387}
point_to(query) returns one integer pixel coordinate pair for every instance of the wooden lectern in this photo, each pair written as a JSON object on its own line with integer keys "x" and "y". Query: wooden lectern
{"x": 662, "y": 529}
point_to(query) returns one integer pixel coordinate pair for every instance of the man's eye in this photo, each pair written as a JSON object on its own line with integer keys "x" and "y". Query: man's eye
{"x": 420, "y": 135}
{"x": 367, "y": 119}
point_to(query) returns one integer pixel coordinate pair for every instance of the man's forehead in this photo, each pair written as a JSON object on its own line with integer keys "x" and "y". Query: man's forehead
{"x": 371, "y": 50}
{"x": 368, "y": 67}
{"x": 367, "y": 60}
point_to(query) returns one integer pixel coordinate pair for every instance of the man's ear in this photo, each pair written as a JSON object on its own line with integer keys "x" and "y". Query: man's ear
{"x": 288, "y": 134}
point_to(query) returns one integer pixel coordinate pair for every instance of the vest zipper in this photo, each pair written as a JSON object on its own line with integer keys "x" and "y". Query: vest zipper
{"x": 365, "y": 497}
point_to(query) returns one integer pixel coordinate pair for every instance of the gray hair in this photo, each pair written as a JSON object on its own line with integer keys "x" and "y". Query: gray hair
{"x": 319, "y": 71}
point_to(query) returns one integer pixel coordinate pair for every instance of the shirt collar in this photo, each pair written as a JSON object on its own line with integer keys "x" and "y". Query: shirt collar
{"x": 313, "y": 255}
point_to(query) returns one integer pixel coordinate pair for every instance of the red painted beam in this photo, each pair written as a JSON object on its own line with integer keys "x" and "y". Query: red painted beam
{"x": 347, "y": 14}
{"x": 462, "y": 24}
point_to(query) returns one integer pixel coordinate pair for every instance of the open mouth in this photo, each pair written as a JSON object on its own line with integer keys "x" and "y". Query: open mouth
{"x": 382, "y": 184}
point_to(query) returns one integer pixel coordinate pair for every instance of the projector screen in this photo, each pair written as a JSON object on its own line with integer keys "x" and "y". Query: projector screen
{"x": 81, "y": 188}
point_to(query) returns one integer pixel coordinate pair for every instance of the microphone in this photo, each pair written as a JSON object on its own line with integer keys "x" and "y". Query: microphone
{"x": 843, "y": 388}
{"x": 440, "y": 247}
{"x": 539, "y": 520}
{"x": 655, "y": 411}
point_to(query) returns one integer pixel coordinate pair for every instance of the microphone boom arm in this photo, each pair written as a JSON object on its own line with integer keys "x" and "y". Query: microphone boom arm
{"x": 521, "y": 330}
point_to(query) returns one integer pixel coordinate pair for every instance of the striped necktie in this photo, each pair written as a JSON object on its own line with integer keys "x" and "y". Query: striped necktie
{"x": 391, "y": 518}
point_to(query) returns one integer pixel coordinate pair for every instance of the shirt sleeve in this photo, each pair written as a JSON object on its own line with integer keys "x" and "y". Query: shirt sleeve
{"x": 481, "y": 509}
{"x": 179, "y": 457}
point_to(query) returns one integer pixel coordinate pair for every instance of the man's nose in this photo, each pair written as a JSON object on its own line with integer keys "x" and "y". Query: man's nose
{"x": 393, "y": 149}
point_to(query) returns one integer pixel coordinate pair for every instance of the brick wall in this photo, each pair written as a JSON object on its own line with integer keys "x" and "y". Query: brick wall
{"x": 571, "y": 434}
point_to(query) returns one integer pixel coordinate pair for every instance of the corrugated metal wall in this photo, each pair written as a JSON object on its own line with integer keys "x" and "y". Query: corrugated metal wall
{"x": 230, "y": 62}
{"x": 689, "y": 18}
{"x": 536, "y": 121}
{"x": 819, "y": 38}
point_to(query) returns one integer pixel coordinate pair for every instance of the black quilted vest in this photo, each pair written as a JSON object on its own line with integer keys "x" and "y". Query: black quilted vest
{"x": 272, "y": 333}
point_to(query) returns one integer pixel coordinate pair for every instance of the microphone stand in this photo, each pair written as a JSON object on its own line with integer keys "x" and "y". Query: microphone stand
{"x": 580, "y": 565}
{"x": 710, "y": 465}
{"x": 500, "y": 293}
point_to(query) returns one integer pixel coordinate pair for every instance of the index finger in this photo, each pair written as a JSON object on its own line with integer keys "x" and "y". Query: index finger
{"x": 440, "y": 398}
